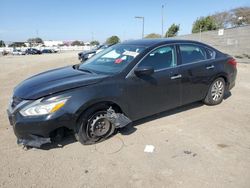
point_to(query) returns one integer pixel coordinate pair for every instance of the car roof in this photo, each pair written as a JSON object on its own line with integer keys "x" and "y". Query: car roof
{"x": 153, "y": 42}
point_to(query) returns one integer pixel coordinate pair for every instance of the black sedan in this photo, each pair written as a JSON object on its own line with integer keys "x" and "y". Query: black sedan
{"x": 33, "y": 51}
{"x": 47, "y": 51}
{"x": 124, "y": 83}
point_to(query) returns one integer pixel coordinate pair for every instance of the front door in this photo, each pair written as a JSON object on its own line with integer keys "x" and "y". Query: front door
{"x": 160, "y": 91}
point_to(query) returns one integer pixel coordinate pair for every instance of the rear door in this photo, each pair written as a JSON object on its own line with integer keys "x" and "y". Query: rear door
{"x": 197, "y": 69}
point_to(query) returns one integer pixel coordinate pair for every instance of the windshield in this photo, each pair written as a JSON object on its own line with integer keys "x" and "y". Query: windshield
{"x": 113, "y": 59}
{"x": 97, "y": 47}
{"x": 103, "y": 47}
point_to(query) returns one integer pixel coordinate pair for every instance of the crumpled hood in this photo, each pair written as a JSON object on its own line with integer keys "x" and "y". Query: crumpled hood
{"x": 54, "y": 81}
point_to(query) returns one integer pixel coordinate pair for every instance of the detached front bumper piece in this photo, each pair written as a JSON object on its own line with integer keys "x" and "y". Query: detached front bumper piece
{"x": 117, "y": 119}
{"x": 35, "y": 141}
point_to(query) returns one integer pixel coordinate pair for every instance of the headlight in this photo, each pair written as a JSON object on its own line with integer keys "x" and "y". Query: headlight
{"x": 39, "y": 107}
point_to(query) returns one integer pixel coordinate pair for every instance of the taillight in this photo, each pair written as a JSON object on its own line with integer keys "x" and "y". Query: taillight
{"x": 232, "y": 62}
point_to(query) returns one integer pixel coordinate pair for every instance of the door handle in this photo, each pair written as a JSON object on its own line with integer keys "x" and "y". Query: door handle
{"x": 176, "y": 77}
{"x": 210, "y": 67}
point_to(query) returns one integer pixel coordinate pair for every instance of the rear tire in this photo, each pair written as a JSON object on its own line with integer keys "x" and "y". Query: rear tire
{"x": 216, "y": 92}
{"x": 94, "y": 126}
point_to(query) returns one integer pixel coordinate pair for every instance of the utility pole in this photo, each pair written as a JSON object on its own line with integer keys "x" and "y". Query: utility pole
{"x": 92, "y": 36}
{"x": 142, "y": 27}
{"x": 141, "y": 17}
{"x": 162, "y": 20}
{"x": 200, "y": 32}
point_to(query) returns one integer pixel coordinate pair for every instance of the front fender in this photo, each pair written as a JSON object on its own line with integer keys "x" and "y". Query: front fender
{"x": 85, "y": 97}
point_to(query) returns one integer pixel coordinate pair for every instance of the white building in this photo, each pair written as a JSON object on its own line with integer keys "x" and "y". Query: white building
{"x": 51, "y": 43}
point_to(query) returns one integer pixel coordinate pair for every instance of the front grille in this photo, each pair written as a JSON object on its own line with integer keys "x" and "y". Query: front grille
{"x": 15, "y": 101}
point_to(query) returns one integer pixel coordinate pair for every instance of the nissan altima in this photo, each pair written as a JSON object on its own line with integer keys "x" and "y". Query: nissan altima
{"x": 123, "y": 83}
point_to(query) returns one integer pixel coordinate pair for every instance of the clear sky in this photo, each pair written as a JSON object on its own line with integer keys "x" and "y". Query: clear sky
{"x": 99, "y": 19}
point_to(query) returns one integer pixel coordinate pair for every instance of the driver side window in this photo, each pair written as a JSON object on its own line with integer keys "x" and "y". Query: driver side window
{"x": 161, "y": 58}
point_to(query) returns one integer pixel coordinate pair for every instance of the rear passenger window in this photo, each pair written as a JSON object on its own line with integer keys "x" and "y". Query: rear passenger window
{"x": 192, "y": 53}
{"x": 163, "y": 57}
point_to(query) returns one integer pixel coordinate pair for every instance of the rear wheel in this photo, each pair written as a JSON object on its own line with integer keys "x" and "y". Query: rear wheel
{"x": 216, "y": 92}
{"x": 94, "y": 126}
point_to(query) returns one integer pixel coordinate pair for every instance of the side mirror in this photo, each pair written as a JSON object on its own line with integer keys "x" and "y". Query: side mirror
{"x": 144, "y": 71}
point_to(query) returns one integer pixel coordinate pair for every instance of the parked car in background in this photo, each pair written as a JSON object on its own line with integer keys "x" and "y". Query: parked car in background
{"x": 18, "y": 52}
{"x": 47, "y": 51}
{"x": 54, "y": 50}
{"x": 124, "y": 83}
{"x": 5, "y": 52}
{"x": 33, "y": 51}
{"x": 83, "y": 56}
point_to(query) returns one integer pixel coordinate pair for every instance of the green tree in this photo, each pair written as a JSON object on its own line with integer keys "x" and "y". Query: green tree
{"x": 77, "y": 43}
{"x": 172, "y": 30}
{"x": 36, "y": 40}
{"x": 2, "y": 44}
{"x": 222, "y": 19}
{"x": 113, "y": 40}
{"x": 153, "y": 35}
{"x": 17, "y": 44}
{"x": 204, "y": 24}
{"x": 94, "y": 43}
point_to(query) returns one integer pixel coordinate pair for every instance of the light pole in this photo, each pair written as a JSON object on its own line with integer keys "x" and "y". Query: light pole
{"x": 141, "y": 17}
{"x": 92, "y": 36}
{"x": 200, "y": 31}
{"x": 162, "y": 20}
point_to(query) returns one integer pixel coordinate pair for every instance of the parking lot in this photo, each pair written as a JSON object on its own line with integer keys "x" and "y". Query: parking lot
{"x": 195, "y": 145}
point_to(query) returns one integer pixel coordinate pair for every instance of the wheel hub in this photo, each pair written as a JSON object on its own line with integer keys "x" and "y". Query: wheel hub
{"x": 99, "y": 126}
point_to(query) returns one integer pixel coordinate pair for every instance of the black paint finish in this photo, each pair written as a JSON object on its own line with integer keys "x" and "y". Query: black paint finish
{"x": 137, "y": 95}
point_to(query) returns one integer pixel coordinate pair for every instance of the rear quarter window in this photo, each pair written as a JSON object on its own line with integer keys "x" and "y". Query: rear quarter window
{"x": 210, "y": 53}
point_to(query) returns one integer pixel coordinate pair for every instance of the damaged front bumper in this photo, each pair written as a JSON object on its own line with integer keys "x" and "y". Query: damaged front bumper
{"x": 36, "y": 131}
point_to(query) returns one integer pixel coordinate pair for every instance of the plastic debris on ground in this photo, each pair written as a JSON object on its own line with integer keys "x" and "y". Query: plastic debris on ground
{"x": 149, "y": 149}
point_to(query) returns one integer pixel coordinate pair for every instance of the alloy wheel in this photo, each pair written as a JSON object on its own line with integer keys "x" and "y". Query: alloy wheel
{"x": 217, "y": 91}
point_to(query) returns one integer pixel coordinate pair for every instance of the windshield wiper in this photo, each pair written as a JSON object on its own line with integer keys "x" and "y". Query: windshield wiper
{"x": 77, "y": 67}
{"x": 86, "y": 70}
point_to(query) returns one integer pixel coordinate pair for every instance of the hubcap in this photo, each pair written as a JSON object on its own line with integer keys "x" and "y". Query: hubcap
{"x": 217, "y": 90}
{"x": 99, "y": 125}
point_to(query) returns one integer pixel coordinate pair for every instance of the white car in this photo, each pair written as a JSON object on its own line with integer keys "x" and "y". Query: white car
{"x": 18, "y": 52}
